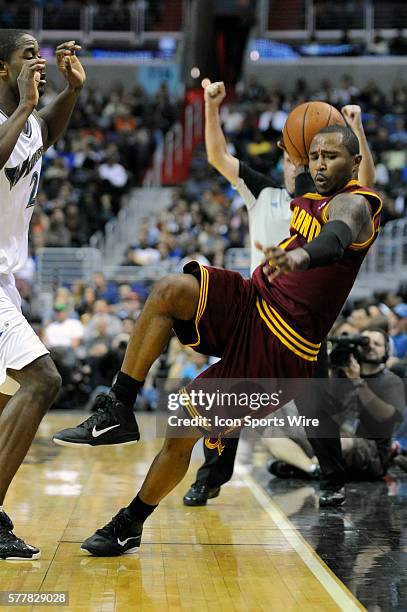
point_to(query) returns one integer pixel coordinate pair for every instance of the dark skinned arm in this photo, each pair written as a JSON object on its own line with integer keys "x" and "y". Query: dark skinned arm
{"x": 55, "y": 116}
{"x": 354, "y": 210}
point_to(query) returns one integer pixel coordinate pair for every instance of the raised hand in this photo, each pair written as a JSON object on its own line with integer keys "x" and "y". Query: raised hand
{"x": 215, "y": 94}
{"x": 353, "y": 116}
{"x": 28, "y": 81}
{"x": 69, "y": 64}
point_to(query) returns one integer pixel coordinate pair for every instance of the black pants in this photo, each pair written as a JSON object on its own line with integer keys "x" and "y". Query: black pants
{"x": 316, "y": 403}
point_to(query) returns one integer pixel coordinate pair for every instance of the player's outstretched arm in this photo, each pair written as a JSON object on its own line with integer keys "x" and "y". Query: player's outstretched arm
{"x": 55, "y": 116}
{"x": 350, "y": 220}
{"x": 216, "y": 148}
{"x": 11, "y": 129}
{"x": 367, "y": 171}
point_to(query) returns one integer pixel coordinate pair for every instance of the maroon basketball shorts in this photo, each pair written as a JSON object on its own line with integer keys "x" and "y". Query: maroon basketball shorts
{"x": 258, "y": 350}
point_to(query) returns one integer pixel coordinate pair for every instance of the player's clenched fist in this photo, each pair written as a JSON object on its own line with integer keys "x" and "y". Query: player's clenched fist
{"x": 30, "y": 78}
{"x": 214, "y": 93}
{"x": 353, "y": 115}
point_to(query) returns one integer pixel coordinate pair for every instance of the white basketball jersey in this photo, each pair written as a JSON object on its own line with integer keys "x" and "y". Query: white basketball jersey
{"x": 269, "y": 221}
{"x": 18, "y": 190}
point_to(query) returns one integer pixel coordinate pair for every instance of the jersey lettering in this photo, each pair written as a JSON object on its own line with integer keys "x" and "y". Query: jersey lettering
{"x": 18, "y": 172}
{"x": 305, "y": 224}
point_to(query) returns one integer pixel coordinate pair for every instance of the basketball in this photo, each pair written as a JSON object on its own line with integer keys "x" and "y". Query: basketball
{"x": 303, "y": 123}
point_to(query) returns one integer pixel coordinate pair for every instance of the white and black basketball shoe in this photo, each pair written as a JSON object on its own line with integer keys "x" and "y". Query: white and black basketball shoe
{"x": 13, "y": 548}
{"x": 111, "y": 423}
{"x": 122, "y": 535}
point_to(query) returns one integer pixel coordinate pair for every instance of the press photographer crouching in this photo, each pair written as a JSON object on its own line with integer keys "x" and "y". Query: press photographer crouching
{"x": 371, "y": 406}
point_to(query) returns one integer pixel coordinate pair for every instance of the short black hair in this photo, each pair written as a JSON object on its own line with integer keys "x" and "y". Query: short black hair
{"x": 349, "y": 137}
{"x": 8, "y": 42}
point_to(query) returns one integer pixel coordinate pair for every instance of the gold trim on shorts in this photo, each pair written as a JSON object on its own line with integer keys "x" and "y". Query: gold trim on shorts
{"x": 286, "y": 334}
{"x": 203, "y": 299}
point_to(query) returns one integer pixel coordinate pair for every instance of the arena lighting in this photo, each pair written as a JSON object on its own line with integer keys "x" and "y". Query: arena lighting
{"x": 254, "y": 55}
{"x": 195, "y": 72}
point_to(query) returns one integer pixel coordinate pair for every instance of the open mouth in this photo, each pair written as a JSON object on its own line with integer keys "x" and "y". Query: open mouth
{"x": 320, "y": 178}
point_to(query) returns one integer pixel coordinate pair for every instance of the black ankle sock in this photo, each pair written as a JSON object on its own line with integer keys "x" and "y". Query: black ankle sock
{"x": 140, "y": 511}
{"x": 126, "y": 388}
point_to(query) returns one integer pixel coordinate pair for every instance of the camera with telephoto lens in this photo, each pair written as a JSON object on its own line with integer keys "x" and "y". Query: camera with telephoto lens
{"x": 343, "y": 347}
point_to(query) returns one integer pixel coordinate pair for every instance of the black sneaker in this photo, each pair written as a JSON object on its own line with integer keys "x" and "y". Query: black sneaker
{"x": 199, "y": 494}
{"x": 334, "y": 496}
{"x": 281, "y": 469}
{"x": 121, "y": 535}
{"x": 109, "y": 424}
{"x": 11, "y": 547}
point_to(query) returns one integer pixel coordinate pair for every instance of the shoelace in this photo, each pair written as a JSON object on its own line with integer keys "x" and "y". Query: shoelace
{"x": 102, "y": 414}
{"x": 114, "y": 526}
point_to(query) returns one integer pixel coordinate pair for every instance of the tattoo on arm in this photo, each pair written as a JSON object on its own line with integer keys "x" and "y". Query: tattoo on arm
{"x": 354, "y": 210}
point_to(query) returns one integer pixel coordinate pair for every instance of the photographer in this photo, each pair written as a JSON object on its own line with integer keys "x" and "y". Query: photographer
{"x": 377, "y": 400}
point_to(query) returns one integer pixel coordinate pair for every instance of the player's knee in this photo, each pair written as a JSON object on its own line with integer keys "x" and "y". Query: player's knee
{"x": 43, "y": 379}
{"x": 179, "y": 293}
{"x": 53, "y": 382}
{"x": 50, "y": 385}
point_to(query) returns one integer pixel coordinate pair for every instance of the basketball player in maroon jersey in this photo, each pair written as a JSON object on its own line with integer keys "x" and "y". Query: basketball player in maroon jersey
{"x": 270, "y": 326}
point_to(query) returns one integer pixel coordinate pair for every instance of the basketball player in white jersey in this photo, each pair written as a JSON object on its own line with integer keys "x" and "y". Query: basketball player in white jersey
{"x": 29, "y": 380}
{"x": 268, "y": 207}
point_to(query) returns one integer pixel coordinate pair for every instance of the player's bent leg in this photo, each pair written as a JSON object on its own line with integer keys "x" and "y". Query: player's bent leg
{"x": 39, "y": 384}
{"x": 174, "y": 297}
{"x": 123, "y": 533}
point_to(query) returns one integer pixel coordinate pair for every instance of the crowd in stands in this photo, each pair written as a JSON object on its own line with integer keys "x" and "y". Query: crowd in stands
{"x": 105, "y": 151}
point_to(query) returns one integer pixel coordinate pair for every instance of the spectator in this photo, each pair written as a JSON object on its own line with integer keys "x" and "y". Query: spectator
{"x": 64, "y": 331}
{"x": 57, "y": 234}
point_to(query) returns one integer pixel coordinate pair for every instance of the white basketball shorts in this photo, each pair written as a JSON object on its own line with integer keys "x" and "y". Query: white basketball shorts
{"x": 19, "y": 344}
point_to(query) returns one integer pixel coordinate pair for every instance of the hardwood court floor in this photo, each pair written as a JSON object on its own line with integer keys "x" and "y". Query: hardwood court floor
{"x": 239, "y": 553}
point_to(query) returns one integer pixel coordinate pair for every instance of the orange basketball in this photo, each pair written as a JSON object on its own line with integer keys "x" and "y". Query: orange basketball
{"x": 303, "y": 123}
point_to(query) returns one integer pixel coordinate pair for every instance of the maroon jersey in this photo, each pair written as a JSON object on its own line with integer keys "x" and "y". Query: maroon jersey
{"x": 310, "y": 300}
